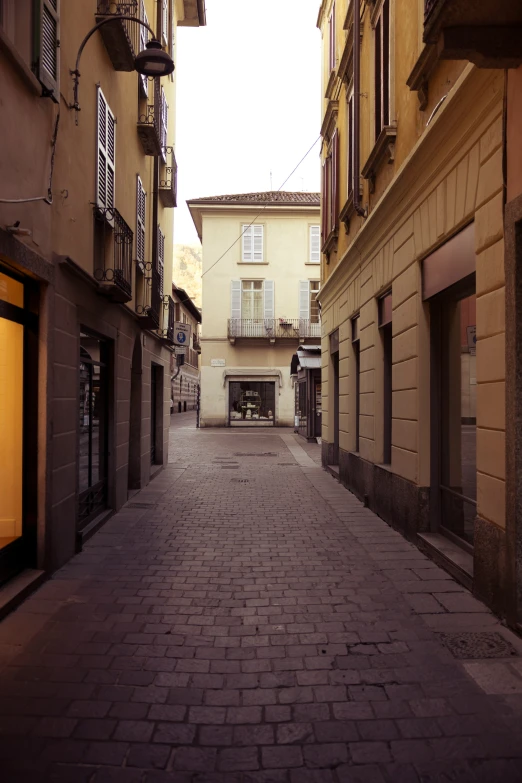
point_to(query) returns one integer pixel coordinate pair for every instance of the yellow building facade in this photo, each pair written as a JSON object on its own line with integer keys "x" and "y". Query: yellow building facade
{"x": 86, "y": 248}
{"x": 261, "y": 267}
{"x": 413, "y": 284}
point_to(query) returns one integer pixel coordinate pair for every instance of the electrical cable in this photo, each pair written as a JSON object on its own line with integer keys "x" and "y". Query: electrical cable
{"x": 262, "y": 210}
{"x": 49, "y": 198}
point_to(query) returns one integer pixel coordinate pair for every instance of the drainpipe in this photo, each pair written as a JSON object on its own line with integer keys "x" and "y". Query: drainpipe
{"x": 358, "y": 207}
{"x": 156, "y": 163}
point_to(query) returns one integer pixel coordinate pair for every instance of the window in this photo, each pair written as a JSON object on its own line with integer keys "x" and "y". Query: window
{"x": 176, "y": 311}
{"x": 330, "y": 189}
{"x": 252, "y": 304}
{"x": 315, "y": 245}
{"x": 350, "y": 145}
{"x": 161, "y": 258}
{"x": 314, "y": 304}
{"x": 144, "y": 39}
{"x": 106, "y": 157}
{"x": 164, "y": 123}
{"x": 252, "y": 299}
{"x": 252, "y": 244}
{"x": 331, "y": 40}
{"x": 251, "y": 403}
{"x": 385, "y": 328}
{"x": 357, "y": 361}
{"x": 141, "y": 200}
{"x": 382, "y": 69}
{"x": 46, "y": 61}
{"x": 308, "y": 307}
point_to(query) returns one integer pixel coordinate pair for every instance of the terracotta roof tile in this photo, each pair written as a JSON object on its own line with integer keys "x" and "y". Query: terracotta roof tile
{"x": 267, "y": 197}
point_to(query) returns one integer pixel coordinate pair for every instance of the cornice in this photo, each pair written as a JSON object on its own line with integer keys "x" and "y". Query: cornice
{"x": 416, "y": 174}
{"x": 383, "y": 150}
{"x": 330, "y": 119}
{"x": 418, "y": 79}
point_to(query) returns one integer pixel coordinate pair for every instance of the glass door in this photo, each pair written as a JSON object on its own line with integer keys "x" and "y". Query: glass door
{"x": 18, "y": 414}
{"x": 93, "y": 427}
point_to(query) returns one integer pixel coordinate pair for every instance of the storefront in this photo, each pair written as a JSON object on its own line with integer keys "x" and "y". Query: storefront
{"x": 18, "y": 422}
{"x": 305, "y": 370}
{"x": 251, "y": 403}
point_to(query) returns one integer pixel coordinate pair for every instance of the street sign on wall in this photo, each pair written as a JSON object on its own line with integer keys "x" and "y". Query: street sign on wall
{"x": 182, "y": 334}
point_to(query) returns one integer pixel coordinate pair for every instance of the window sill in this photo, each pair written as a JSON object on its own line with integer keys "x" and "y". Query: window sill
{"x": 383, "y": 150}
{"x": 312, "y": 263}
{"x": 252, "y": 263}
{"x": 21, "y": 66}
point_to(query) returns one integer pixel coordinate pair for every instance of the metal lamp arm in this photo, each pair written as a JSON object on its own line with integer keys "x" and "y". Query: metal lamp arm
{"x": 76, "y": 73}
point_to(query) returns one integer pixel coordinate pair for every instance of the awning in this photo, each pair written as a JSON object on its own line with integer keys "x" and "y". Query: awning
{"x": 310, "y": 362}
{"x": 308, "y": 357}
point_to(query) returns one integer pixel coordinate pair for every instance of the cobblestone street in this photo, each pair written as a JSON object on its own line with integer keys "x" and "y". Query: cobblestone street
{"x": 244, "y": 619}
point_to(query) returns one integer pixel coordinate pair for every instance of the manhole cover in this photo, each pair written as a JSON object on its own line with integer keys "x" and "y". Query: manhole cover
{"x": 477, "y": 645}
{"x": 140, "y": 505}
{"x": 256, "y": 454}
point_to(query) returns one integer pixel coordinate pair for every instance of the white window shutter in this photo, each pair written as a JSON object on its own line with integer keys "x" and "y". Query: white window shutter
{"x": 164, "y": 123}
{"x": 315, "y": 244}
{"x": 165, "y": 21}
{"x": 101, "y": 158}
{"x": 235, "y": 299}
{"x": 304, "y": 300}
{"x": 140, "y": 221}
{"x": 47, "y": 46}
{"x": 111, "y": 157}
{"x": 269, "y": 298}
{"x": 258, "y": 243}
{"x": 247, "y": 243}
{"x": 144, "y": 38}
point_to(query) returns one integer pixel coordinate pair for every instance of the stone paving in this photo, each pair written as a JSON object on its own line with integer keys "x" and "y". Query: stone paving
{"x": 244, "y": 619}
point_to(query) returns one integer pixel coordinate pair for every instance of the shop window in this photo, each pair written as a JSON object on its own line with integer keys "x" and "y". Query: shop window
{"x": 251, "y": 403}
{"x": 93, "y": 424}
{"x": 357, "y": 373}
{"x": 385, "y": 328}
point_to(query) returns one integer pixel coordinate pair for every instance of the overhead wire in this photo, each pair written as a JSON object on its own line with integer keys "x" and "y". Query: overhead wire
{"x": 261, "y": 210}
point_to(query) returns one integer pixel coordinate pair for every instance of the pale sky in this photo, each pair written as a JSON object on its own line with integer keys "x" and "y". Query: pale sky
{"x": 248, "y": 101}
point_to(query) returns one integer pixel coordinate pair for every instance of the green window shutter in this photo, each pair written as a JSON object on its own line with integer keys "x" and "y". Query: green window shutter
{"x": 46, "y": 63}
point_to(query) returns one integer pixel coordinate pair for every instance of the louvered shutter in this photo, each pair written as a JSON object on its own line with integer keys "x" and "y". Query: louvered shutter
{"x": 334, "y": 219}
{"x": 111, "y": 157}
{"x": 269, "y": 294}
{"x": 165, "y": 21}
{"x": 235, "y": 307}
{"x": 161, "y": 258}
{"x": 258, "y": 243}
{"x": 106, "y": 154}
{"x": 144, "y": 38}
{"x": 324, "y": 202}
{"x": 47, "y": 46}
{"x": 315, "y": 244}
{"x": 247, "y": 243}
{"x": 164, "y": 122}
{"x": 304, "y": 300}
{"x": 140, "y": 221}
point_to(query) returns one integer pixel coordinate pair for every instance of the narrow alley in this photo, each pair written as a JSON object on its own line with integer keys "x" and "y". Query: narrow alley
{"x": 244, "y": 619}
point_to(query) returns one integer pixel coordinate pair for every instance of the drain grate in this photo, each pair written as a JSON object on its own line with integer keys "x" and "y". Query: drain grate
{"x": 239, "y": 481}
{"x": 256, "y": 454}
{"x": 468, "y": 646}
{"x": 140, "y": 505}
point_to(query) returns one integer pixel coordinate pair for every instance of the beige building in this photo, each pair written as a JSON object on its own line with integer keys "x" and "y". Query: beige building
{"x": 261, "y": 266}
{"x": 87, "y": 193}
{"x": 413, "y": 292}
{"x": 185, "y": 377}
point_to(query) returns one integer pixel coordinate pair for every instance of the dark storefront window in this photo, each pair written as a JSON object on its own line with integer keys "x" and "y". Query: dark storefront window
{"x": 93, "y": 427}
{"x": 356, "y": 345}
{"x": 251, "y": 403}
{"x": 385, "y": 328}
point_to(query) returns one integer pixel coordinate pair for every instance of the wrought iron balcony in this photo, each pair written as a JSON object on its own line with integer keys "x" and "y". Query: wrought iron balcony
{"x": 273, "y": 329}
{"x": 149, "y": 123}
{"x": 167, "y": 333}
{"x": 122, "y": 37}
{"x": 149, "y": 306}
{"x": 169, "y": 182}
{"x": 487, "y": 33}
{"x": 113, "y": 240}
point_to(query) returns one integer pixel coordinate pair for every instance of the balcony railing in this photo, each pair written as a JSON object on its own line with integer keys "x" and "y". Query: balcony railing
{"x": 167, "y": 332}
{"x": 149, "y": 123}
{"x": 149, "y": 308}
{"x": 113, "y": 240}
{"x": 121, "y": 38}
{"x": 169, "y": 182}
{"x": 273, "y": 328}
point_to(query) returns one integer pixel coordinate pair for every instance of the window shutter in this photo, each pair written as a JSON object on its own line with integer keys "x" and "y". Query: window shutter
{"x": 315, "y": 245}
{"x": 258, "y": 243}
{"x": 247, "y": 243}
{"x": 165, "y": 21}
{"x": 47, "y": 46}
{"x": 269, "y": 293}
{"x": 106, "y": 154}
{"x": 164, "y": 122}
{"x": 324, "y": 203}
{"x": 235, "y": 299}
{"x": 144, "y": 38}
{"x": 304, "y": 300}
{"x": 161, "y": 258}
{"x": 334, "y": 219}
{"x": 111, "y": 157}
{"x": 140, "y": 221}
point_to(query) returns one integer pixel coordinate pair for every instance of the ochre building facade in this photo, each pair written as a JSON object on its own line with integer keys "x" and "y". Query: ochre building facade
{"x": 413, "y": 288}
